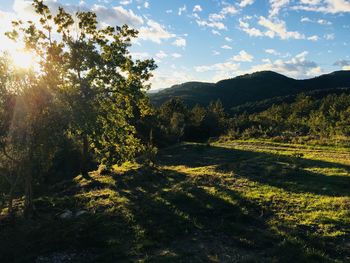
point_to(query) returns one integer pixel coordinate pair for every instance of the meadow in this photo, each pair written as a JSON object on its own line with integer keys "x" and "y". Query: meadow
{"x": 233, "y": 201}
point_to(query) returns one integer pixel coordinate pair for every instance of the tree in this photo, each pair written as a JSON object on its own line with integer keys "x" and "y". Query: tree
{"x": 215, "y": 119}
{"x": 88, "y": 76}
{"x": 30, "y": 129}
{"x": 8, "y": 178}
{"x": 173, "y": 115}
{"x": 95, "y": 76}
{"x": 197, "y": 115}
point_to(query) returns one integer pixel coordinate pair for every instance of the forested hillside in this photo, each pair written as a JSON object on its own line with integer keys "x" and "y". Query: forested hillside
{"x": 249, "y": 88}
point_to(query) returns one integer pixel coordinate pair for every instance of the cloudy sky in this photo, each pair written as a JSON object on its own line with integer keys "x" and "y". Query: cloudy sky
{"x": 210, "y": 40}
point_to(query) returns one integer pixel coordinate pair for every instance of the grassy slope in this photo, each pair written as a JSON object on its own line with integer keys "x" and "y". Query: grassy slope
{"x": 241, "y": 201}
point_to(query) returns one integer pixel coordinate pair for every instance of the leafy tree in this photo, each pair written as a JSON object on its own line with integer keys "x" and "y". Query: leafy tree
{"x": 173, "y": 115}
{"x": 30, "y": 129}
{"x": 197, "y": 115}
{"x": 92, "y": 72}
{"x": 215, "y": 119}
{"x": 87, "y": 88}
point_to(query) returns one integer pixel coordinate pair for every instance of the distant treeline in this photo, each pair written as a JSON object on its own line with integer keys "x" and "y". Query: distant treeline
{"x": 326, "y": 117}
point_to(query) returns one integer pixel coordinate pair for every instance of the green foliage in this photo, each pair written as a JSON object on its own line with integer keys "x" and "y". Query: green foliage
{"x": 318, "y": 118}
{"x": 177, "y": 122}
{"x": 95, "y": 77}
{"x": 31, "y": 129}
{"x": 324, "y": 117}
{"x": 88, "y": 93}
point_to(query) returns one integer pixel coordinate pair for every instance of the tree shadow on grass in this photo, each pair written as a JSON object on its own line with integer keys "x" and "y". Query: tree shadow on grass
{"x": 286, "y": 172}
{"x": 182, "y": 221}
{"x": 162, "y": 215}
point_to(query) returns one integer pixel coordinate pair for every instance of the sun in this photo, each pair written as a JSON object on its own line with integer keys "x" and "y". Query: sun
{"x": 23, "y": 59}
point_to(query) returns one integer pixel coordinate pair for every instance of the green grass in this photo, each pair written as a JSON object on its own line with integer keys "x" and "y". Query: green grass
{"x": 239, "y": 201}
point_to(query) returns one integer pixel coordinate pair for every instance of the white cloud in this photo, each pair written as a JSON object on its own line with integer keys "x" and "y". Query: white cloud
{"x": 324, "y": 22}
{"x": 342, "y": 63}
{"x": 218, "y": 67}
{"x": 278, "y": 27}
{"x": 251, "y": 31}
{"x": 215, "y": 19}
{"x": 25, "y": 8}
{"x": 125, "y": 2}
{"x": 276, "y": 6}
{"x": 273, "y": 28}
{"x": 226, "y": 47}
{"x": 117, "y": 16}
{"x": 228, "y": 39}
{"x": 216, "y": 53}
{"x": 313, "y": 38}
{"x": 196, "y": 16}
{"x": 296, "y": 67}
{"x": 221, "y": 71}
{"x": 243, "y": 56}
{"x": 146, "y": 4}
{"x": 319, "y": 21}
{"x": 227, "y": 10}
{"x": 180, "y": 42}
{"x": 272, "y": 52}
{"x": 149, "y": 30}
{"x": 182, "y": 10}
{"x": 329, "y": 36}
{"x": 277, "y": 53}
{"x": 169, "y": 11}
{"x": 166, "y": 79}
{"x": 217, "y": 25}
{"x": 176, "y": 55}
{"x": 5, "y": 25}
{"x": 154, "y": 32}
{"x": 197, "y": 8}
{"x": 310, "y": 2}
{"x": 305, "y": 19}
{"x": 161, "y": 54}
{"x": 324, "y": 6}
{"x": 245, "y": 3}
{"x": 215, "y": 32}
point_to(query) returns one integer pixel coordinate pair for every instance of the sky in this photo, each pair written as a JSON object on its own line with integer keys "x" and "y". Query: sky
{"x": 207, "y": 40}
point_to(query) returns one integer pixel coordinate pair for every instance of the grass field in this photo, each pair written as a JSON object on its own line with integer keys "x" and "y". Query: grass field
{"x": 239, "y": 201}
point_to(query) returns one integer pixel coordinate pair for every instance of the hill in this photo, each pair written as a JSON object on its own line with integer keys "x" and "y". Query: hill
{"x": 250, "y": 88}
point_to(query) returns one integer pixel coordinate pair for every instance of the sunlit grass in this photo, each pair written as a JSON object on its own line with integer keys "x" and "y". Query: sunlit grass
{"x": 237, "y": 201}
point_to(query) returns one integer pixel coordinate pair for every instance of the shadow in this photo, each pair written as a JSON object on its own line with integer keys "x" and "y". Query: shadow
{"x": 286, "y": 172}
{"x": 161, "y": 215}
{"x": 181, "y": 221}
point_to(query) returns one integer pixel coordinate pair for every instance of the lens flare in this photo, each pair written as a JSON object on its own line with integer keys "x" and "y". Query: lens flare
{"x": 23, "y": 59}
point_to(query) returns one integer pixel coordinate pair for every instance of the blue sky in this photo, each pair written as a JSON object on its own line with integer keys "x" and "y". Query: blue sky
{"x": 209, "y": 40}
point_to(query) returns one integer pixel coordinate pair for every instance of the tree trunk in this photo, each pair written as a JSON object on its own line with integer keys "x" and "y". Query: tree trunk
{"x": 28, "y": 196}
{"x": 12, "y": 196}
{"x": 85, "y": 157}
{"x": 10, "y": 205}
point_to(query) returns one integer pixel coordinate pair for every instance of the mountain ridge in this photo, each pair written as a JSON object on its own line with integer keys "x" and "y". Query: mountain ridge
{"x": 252, "y": 87}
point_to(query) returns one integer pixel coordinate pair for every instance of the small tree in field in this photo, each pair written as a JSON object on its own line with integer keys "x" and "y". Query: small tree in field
{"x": 89, "y": 73}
